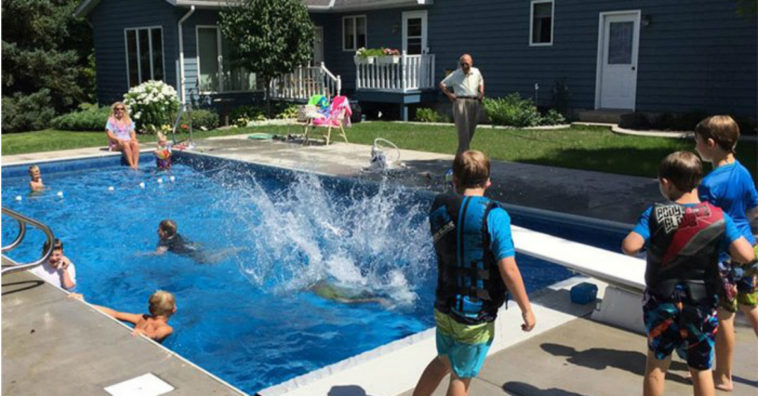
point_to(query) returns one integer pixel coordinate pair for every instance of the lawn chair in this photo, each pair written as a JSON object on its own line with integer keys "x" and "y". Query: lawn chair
{"x": 339, "y": 117}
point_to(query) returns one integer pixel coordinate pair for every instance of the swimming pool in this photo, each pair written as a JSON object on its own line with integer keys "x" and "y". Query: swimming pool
{"x": 251, "y": 318}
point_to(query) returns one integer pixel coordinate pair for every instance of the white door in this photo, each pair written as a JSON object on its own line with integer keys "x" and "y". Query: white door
{"x": 414, "y": 32}
{"x": 618, "y": 42}
{"x": 318, "y": 46}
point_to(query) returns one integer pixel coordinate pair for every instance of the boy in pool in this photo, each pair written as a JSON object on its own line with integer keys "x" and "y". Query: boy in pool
{"x": 162, "y": 153}
{"x": 35, "y": 184}
{"x": 171, "y": 241}
{"x": 730, "y": 187}
{"x": 154, "y": 326}
{"x": 468, "y": 298}
{"x": 330, "y": 291}
{"x": 684, "y": 238}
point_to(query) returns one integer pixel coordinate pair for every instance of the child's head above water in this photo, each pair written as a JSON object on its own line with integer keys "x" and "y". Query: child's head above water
{"x": 34, "y": 172}
{"x": 682, "y": 170}
{"x": 167, "y": 228}
{"x": 471, "y": 169}
{"x": 716, "y": 133}
{"x": 162, "y": 303}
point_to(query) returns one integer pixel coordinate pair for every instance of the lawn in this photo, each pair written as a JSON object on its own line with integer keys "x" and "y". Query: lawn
{"x": 580, "y": 147}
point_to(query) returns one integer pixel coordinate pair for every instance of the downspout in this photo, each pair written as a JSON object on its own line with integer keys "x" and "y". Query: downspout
{"x": 181, "y": 53}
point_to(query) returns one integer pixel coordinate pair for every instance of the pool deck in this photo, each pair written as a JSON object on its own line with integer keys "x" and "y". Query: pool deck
{"x": 575, "y": 357}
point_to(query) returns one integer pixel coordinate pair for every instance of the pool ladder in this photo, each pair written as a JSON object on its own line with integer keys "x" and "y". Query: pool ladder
{"x": 10, "y": 265}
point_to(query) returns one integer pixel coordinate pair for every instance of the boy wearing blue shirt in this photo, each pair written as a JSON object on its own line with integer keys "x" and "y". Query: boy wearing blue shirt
{"x": 730, "y": 187}
{"x": 475, "y": 263}
{"x": 684, "y": 239}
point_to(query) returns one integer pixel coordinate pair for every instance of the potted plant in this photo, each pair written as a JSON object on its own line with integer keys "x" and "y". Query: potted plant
{"x": 367, "y": 56}
{"x": 389, "y": 56}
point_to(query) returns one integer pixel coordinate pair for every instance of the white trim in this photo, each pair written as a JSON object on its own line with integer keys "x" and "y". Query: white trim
{"x": 150, "y": 49}
{"x": 423, "y": 14}
{"x": 355, "y": 31}
{"x": 600, "y": 51}
{"x": 181, "y": 53}
{"x": 531, "y": 23}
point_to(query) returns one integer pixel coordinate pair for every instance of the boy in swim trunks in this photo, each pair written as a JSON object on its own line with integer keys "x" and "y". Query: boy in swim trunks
{"x": 154, "y": 326}
{"x": 684, "y": 239}
{"x": 475, "y": 262}
{"x": 171, "y": 241}
{"x": 730, "y": 187}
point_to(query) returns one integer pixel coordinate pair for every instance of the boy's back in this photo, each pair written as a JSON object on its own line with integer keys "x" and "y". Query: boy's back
{"x": 731, "y": 188}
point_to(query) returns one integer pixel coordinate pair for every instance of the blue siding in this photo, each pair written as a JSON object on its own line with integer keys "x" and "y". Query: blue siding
{"x": 109, "y": 20}
{"x": 695, "y": 55}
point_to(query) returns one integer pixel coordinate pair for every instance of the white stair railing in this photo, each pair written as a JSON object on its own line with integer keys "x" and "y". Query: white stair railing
{"x": 304, "y": 82}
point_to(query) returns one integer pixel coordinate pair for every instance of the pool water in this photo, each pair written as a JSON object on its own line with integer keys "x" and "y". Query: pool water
{"x": 250, "y": 318}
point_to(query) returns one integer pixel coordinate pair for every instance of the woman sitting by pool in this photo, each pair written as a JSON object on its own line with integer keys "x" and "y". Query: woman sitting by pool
{"x": 121, "y": 135}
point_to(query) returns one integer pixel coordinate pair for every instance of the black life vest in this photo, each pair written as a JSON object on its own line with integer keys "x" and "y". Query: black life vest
{"x": 684, "y": 247}
{"x": 469, "y": 286}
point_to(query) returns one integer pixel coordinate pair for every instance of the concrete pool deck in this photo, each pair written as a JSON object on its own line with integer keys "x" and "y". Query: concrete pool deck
{"x": 579, "y": 356}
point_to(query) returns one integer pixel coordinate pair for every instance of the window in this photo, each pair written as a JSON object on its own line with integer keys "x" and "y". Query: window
{"x": 353, "y": 32}
{"x": 216, "y": 70}
{"x": 144, "y": 54}
{"x": 541, "y": 23}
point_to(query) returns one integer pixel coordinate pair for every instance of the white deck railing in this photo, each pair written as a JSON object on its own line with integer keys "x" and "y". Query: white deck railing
{"x": 410, "y": 72}
{"x": 305, "y": 82}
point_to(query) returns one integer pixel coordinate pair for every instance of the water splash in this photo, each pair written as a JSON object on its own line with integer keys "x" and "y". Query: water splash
{"x": 375, "y": 240}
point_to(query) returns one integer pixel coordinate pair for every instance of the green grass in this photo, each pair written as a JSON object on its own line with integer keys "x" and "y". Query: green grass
{"x": 580, "y": 147}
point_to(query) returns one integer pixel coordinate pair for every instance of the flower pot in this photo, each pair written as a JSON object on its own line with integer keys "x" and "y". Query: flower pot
{"x": 388, "y": 60}
{"x": 368, "y": 60}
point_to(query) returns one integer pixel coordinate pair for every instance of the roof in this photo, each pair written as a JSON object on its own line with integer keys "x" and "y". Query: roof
{"x": 86, "y": 6}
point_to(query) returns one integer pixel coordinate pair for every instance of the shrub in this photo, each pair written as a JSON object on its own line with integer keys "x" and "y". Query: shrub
{"x": 22, "y": 112}
{"x": 202, "y": 119}
{"x": 152, "y": 104}
{"x": 561, "y": 97}
{"x": 552, "y": 117}
{"x": 288, "y": 112}
{"x": 512, "y": 111}
{"x": 424, "y": 114}
{"x": 88, "y": 118}
{"x": 253, "y": 113}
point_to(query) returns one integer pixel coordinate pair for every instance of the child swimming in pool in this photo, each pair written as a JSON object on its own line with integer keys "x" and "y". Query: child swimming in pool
{"x": 35, "y": 184}
{"x": 171, "y": 241}
{"x": 331, "y": 291}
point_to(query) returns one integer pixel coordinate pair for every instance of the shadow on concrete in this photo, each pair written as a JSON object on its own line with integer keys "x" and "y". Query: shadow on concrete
{"x": 753, "y": 383}
{"x": 523, "y": 389}
{"x": 16, "y": 287}
{"x": 602, "y": 358}
{"x": 347, "y": 390}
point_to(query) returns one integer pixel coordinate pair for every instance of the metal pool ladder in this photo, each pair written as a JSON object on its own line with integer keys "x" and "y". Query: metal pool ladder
{"x": 10, "y": 265}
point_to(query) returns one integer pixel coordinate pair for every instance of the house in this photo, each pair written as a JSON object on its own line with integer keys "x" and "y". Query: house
{"x": 634, "y": 55}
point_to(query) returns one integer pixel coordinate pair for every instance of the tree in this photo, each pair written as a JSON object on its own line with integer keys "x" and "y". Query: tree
{"x": 268, "y": 38}
{"x": 47, "y": 61}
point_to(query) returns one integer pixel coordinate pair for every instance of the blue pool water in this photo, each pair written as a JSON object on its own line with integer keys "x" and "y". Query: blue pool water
{"x": 251, "y": 318}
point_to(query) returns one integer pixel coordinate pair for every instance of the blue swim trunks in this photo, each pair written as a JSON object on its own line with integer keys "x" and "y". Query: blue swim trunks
{"x": 466, "y": 346}
{"x": 688, "y": 329}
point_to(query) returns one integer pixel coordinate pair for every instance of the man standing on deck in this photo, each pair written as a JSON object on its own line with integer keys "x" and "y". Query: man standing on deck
{"x": 468, "y": 90}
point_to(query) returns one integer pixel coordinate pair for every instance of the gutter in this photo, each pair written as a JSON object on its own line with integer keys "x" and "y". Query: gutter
{"x": 181, "y": 54}
{"x": 322, "y": 8}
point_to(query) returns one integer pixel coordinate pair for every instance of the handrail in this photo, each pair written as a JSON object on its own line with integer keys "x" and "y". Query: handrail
{"x": 22, "y": 221}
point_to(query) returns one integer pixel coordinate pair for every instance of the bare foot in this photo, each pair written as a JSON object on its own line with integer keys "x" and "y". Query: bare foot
{"x": 723, "y": 383}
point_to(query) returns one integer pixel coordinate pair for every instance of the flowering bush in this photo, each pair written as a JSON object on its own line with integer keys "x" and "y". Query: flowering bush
{"x": 152, "y": 104}
{"x": 391, "y": 52}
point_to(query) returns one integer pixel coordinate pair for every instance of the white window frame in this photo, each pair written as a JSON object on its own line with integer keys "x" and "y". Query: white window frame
{"x": 531, "y": 23}
{"x": 355, "y": 32}
{"x": 422, "y": 14}
{"x": 219, "y": 60}
{"x": 150, "y": 49}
